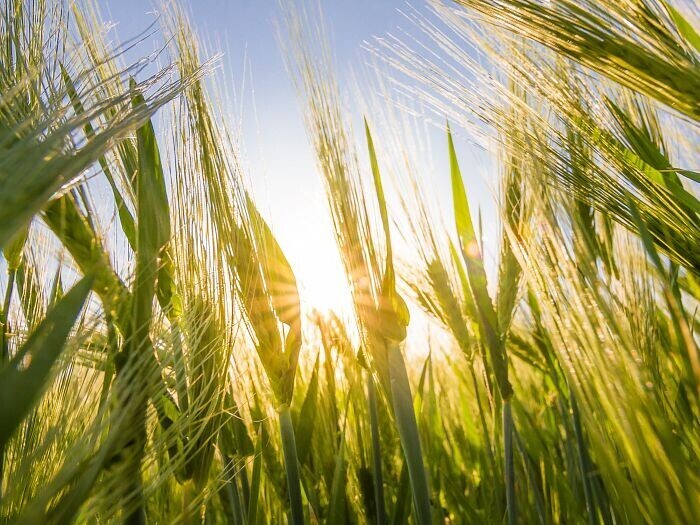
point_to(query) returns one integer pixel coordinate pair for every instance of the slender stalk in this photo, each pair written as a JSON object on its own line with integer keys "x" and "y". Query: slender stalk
{"x": 583, "y": 461}
{"x": 401, "y": 509}
{"x": 376, "y": 452}
{"x": 134, "y": 450}
{"x": 291, "y": 465}
{"x": 530, "y": 470}
{"x": 509, "y": 465}
{"x": 180, "y": 370}
{"x": 109, "y": 362}
{"x": 408, "y": 433}
{"x": 230, "y": 494}
{"x": 482, "y": 418}
{"x": 255, "y": 482}
{"x": 5, "y": 346}
{"x": 229, "y": 500}
{"x": 12, "y": 272}
{"x": 239, "y": 478}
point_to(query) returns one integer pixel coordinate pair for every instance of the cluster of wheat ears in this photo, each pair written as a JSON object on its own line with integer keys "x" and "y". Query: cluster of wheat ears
{"x": 157, "y": 366}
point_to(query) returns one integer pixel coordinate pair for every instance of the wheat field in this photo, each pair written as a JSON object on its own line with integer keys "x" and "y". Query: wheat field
{"x": 159, "y": 364}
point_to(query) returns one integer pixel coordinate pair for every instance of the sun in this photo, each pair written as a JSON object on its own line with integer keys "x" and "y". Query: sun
{"x": 323, "y": 285}
{"x": 308, "y": 241}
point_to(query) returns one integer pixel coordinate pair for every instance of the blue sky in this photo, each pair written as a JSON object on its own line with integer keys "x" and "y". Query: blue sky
{"x": 279, "y": 158}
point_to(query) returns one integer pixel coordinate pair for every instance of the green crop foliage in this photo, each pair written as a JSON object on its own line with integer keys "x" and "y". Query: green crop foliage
{"x": 159, "y": 363}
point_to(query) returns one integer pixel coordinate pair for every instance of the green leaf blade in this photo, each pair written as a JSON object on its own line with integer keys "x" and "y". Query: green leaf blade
{"x": 21, "y": 388}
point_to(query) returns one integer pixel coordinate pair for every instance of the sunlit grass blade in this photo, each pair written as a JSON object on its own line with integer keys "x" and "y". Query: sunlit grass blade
{"x": 407, "y": 427}
{"x": 685, "y": 28}
{"x": 125, "y": 217}
{"x": 255, "y": 483}
{"x": 402, "y": 504}
{"x": 291, "y": 465}
{"x": 511, "y": 502}
{"x": 337, "y": 511}
{"x": 21, "y": 387}
{"x": 476, "y": 275}
{"x": 307, "y": 416}
{"x": 377, "y": 476}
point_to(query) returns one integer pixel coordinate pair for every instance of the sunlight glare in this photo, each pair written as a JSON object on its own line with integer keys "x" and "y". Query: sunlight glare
{"x": 322, "y": 283}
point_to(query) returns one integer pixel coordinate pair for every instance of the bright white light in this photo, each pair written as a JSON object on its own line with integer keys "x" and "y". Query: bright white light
{"x": 322, "y": 282}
